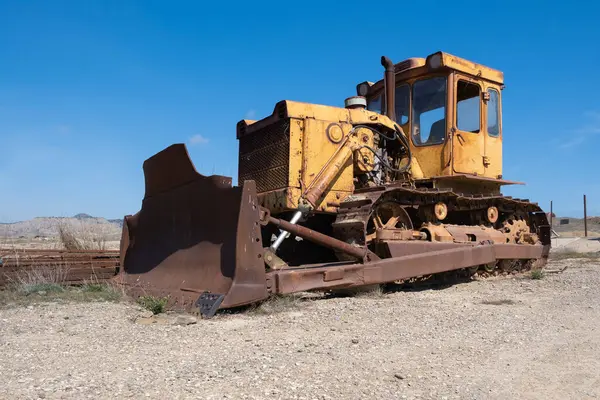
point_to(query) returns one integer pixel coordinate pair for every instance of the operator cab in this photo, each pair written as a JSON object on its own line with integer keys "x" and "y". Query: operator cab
{"x": 451, "y": 110}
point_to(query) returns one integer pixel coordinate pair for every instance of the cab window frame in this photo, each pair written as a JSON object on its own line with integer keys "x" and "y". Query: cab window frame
{"x": 458, "y": 78}
{"x": 414, "y": 83}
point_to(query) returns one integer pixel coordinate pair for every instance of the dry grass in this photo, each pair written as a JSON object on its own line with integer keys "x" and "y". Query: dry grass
{"x": 277, "y": 304}
{"x": 35, "y": 292}
{"x": 82, "y": 236}
{"x": 71, "y": 234}
{"x": 371, "y": 292}
{"x": 28, "y": 279}
{"x": 374, "y": 291}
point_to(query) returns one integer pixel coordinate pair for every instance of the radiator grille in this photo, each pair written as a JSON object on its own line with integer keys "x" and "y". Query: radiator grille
{"x": 264, "y": 156}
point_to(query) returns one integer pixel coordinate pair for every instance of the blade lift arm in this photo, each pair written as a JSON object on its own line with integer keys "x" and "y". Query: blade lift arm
{"x": 352, "y": 142}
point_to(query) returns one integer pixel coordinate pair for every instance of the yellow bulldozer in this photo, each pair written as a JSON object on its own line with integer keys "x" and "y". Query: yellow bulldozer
{"x": 401, "y": 183}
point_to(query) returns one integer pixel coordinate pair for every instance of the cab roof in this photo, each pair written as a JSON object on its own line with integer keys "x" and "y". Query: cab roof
{"x": 469, "y": 67}
{"x": 416, "y": 66}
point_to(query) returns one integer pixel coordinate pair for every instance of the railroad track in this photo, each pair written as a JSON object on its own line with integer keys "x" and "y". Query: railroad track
{"x": 64, "y": 266}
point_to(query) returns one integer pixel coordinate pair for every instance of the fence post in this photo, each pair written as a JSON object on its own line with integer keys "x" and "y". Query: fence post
{"x": 584, "y": 216}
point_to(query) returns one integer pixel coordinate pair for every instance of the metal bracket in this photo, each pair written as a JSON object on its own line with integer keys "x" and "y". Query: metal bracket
{"x": 486, "y": 161}
{"x": 209, "y": 303}
{"x": 263, "y": 216}
{"x": 273, "y": 261}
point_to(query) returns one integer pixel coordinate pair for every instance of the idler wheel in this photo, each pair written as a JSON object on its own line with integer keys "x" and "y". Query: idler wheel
{"x": 441, "y": 211}
{"x": 492, "y": 214}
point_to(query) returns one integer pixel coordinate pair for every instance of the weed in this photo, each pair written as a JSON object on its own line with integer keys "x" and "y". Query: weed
{"x": 48, "y": 287}
{"x": 102, "y": 291}
{"x": 155, "y": 304}
{"x": 537, "y": 274}
{"x": 93, "y": 287}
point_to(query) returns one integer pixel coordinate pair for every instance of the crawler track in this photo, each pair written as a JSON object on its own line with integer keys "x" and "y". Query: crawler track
{"x": 519, "y": 220}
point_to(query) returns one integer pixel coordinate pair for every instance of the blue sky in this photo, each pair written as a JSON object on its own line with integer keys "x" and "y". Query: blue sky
{"x": 90, "y": 89}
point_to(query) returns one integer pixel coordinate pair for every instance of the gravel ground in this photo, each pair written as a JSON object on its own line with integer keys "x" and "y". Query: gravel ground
{"x": 502, "y": 338}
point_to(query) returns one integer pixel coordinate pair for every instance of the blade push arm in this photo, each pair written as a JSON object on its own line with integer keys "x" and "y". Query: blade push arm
{"x": 356, "y": 139}
{"x": 352, "y": 142}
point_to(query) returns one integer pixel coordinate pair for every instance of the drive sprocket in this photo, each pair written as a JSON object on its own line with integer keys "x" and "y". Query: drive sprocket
{"x": 517, "y": 230}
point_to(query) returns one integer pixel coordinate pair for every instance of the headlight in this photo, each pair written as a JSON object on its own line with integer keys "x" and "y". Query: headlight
{"x": 363, "y": 89}
{"x": 435, "y": 61}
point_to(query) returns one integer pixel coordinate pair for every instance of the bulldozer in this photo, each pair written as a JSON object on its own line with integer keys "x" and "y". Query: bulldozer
{"x": 401, "y": 183}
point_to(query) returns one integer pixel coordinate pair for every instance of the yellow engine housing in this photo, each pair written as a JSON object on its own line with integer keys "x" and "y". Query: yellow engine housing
{"x": 285, "y": 152}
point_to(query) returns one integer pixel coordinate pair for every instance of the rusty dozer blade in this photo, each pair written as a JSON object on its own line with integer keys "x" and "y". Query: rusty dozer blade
{"x": 196, "y": 239}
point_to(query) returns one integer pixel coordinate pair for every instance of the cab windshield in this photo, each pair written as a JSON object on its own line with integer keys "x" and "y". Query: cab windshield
{"x": 429, "y": 111}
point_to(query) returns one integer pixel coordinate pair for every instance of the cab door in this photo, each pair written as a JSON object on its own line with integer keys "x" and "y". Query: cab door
{"x": 430, "y": 110}
{"x": 468, "y": 140}
{"x": 493, "y": 132}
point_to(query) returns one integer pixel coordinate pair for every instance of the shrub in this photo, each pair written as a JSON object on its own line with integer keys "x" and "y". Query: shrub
{"x": 155, "y": 304}
{"x": 537, "y": 274}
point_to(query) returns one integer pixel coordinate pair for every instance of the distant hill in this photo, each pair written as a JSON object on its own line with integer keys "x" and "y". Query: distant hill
{"x": 49, "y": 226}
{"x": 82, "y": 216}
{"x": 118, "y": 222}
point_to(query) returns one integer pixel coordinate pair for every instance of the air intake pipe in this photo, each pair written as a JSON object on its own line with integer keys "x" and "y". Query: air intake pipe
{"x": 389, "y": 80}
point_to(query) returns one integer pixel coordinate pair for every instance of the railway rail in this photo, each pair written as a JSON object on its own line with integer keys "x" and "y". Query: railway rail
{"x": 68, "y": 267}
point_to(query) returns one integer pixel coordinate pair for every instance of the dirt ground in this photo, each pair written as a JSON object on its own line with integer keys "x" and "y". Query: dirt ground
{"x": 574, "y": 227}
{"x": 499, "y": 338}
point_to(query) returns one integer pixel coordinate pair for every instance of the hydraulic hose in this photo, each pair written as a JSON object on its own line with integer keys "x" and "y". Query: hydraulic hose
{"x": 397, "y": 135}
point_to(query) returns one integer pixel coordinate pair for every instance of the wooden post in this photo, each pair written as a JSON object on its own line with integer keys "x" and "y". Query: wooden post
{"x": 584, "y": 216}
{"x": 550, "y": 214}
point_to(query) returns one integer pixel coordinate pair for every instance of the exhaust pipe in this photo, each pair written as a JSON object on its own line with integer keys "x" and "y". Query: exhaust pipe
{"x": 390, "y": 87}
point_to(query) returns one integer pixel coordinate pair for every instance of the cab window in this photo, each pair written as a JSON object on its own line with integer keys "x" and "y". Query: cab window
{"x": 375, "y": 104}
{"x": 493, "y": 113}
{"x": 429, "y": 111}
{"x": 468, "y": 110}
{"x": 402, "y": 98}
